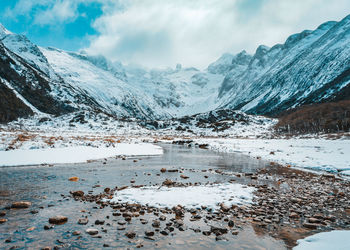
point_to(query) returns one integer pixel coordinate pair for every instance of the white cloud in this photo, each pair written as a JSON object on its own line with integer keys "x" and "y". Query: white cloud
{"x": 60, "y": 11}
{"x": 163, "y": 32}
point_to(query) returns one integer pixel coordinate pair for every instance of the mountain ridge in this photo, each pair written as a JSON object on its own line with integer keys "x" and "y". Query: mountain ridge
{"x": 310, "y": 67}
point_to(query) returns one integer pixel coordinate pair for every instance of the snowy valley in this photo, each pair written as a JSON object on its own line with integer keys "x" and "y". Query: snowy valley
{"x": 253, "y": 150}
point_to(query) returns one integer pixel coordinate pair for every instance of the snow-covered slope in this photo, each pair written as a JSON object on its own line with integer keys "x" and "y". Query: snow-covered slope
{"x": 312, "y": 66}
{"x": 309, "y": 67}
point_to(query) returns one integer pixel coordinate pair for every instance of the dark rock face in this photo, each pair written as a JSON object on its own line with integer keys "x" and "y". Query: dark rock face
{"x": 11, "y": 107}
{"x": 32, "y": 84}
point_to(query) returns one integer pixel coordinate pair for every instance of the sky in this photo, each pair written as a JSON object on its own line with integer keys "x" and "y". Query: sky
{"x": 162, "y": 33}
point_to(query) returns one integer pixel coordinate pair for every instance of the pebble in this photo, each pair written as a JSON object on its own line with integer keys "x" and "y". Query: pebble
{"x": 3, "y": 221}
{"x": 58, "y": 219}
{"x": 21, "y": 204}
{"x": 83, "y": 221}
{"x": 130, "y": 235}
{"x": 91, "y": 231}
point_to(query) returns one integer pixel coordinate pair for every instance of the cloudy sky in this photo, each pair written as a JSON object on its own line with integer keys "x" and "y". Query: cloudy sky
{"x": 161, "y": 33}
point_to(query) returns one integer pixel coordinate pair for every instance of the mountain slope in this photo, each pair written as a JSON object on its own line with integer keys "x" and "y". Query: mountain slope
{"x": 312, "y": 66}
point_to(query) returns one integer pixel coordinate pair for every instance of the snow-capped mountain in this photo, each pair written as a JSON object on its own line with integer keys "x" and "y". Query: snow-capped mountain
{"x": 312, "y": 66}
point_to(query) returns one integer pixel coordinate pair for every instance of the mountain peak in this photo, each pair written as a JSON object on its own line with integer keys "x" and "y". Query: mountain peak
{"x": 4, "y": 31}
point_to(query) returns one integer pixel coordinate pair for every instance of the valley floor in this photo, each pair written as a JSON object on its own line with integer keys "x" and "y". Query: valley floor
{"x": 257, "y": 177}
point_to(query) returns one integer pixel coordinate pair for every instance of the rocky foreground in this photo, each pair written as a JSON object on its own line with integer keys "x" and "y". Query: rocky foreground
{"x": 288, "y": 204}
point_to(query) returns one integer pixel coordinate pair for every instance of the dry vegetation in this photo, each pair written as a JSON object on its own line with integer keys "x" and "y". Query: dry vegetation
{"x": 331, "y": 117}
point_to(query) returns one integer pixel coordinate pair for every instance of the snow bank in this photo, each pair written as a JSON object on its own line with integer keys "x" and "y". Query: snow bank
{"x": 189, "y": 197}
{"x": 74, "y": 154}
{"x": 313, "y": 154}
{"x": 337, "y": 239}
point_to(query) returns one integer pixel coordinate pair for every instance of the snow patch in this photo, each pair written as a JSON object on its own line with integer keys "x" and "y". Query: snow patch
{"x": 75, "y": 154}
{"x": 323, "y": 241}
{"x": 189, "y": 197}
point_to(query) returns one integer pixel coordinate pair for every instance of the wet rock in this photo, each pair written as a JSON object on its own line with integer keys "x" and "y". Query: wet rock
{"x": 73, "y": 178}
{"x": 99, "y": 222}
{"x": 78, "y": 193}
{"x": 206, "y": 233}
{"x": 234, "y": 232}
{"x": 76, "y": 233}
{"x": 179, "y": 211}
{"x": 48, "y": 227}
{"x": 220, "y": 237}
{"x": 163, "y": 170}
{"x": 224, "y": 208}
{"x": 218, "y": 231}
{"x": 122, "y": 223}
{"x": 162, "y": 218}
{"x": 231, "y": 223}
{"x": 184, "y": 176}
{"x": 2, "y": 213}
{"x": 105, "y": 245}
{"x": 149, "y": 233}
{"x": 21, "y": 204}
{"x": 310, "y": 225}
{"x": 34, "y": 211}
{"x": 156, "y": 223}
{"x": 46, "y": 248}
{"x": 143, "y": 221}
{"x": 58, "y": 220}
{"x": 91, "y": 231}
{"x": 8, "y": 240}
{"x": 121, "y": 228}
{"x": 294, "y": 215}
{"x": 314, "y": 220}
{"x": 3, "y": 220}
{"x": 130, "y": 235}
{"x": 163, "y": 232}
{"x": 83, "y": 221}
{"x": 168, "y": 182}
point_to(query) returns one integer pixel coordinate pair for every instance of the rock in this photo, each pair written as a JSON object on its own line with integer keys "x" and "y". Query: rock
{"x": 2, "y": 213}
{"x": 162, "y": 218}
{"x": 163, "y": 232}
{"x": 34, "y": 211}
{"x": 234, "y": 232}
{"x": 21, "y": 204}
{"x": 224, "y": 208}
{"x": 156, "y": 223}
{"x": 30, "y": 229}
{"x": 91, "y": 231}
{"x": 78, "y": 193}
{"x": 58, "y": 220}
{"x": 74, "y": 178}
{"x": 99, "y": 222}
{"x": 83, "y": 221}
{"x": 184, "y": 176}
{"x": 179, "y": 212}
{"x": 310, "y": 225}
{"x": 75, "y": 233}
{"x": 220, "y": 237}
{"x": 2, "y": 221}
{"x": 105, "y": 245}
{"x": 168, "y": 182}
{"x": 218, "y": 231}
{"x": 206, "y": 233}
{"x": 231, "y": 223}
{"x": 48, "y": 227}
{"x": 130, "y": 235}
{"x": 163, "y": 170}
{"x": 149, "y": 233}
{"x": 314, "y": 220}
{"x": 294, "y": 215}
{"x": 46, "y": 248}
